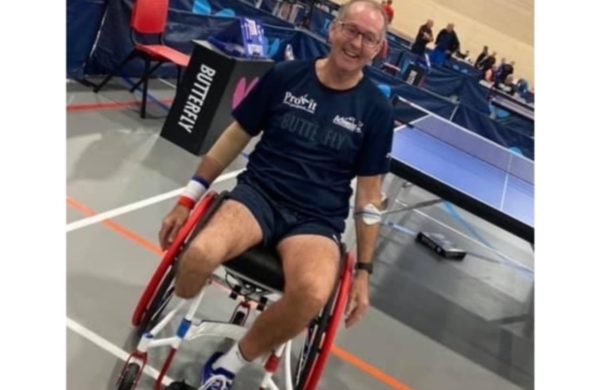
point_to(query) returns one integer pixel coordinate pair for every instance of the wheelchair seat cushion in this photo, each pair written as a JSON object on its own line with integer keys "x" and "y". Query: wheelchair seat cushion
{"x": 259, "y": 264}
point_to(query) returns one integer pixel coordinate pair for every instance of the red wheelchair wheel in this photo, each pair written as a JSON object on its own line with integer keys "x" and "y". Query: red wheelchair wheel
{"x": 321, "y": 333}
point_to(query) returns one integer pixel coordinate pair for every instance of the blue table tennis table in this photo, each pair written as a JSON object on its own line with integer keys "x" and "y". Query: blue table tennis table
{"x": 468, "y": 170}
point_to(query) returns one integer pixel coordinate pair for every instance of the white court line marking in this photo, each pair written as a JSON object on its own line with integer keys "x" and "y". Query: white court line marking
{"x": 111, "y": 348}
{"x": 137, "y": 205}
{"x": 505, "y": 187}
{"x": 167, "y": 83}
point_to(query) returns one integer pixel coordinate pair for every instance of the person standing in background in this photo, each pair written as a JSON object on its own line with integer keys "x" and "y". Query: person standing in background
{"x": 424, "y": 36}
{"x": 488, "y": 62}
{"x": 482, "y": 56}
{"x": 446, "y": 43}
{"x": 389, "y": 10}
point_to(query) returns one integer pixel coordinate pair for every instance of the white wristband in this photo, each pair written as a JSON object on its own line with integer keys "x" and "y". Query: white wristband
{"x": 194, "y": 190}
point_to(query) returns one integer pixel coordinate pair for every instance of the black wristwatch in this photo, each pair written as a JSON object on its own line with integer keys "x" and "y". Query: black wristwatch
{"x": 364, "y": 266}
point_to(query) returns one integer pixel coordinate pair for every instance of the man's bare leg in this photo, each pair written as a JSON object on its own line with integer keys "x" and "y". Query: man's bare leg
{"x": 310, "y": 265}
{"x": 229, "y": 233}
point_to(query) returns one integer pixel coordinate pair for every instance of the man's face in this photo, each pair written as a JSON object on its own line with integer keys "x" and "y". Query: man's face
{"x": 357, "y": 38}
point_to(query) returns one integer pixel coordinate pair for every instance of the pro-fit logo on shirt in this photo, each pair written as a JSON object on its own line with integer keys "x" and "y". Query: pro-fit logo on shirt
{"x": 349, "y": 123}
{"x": 302, "y": 102}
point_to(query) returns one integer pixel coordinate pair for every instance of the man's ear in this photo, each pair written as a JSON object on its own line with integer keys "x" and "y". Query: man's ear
{"x": 330, "y": 31}
{"x": 383, "y": 52}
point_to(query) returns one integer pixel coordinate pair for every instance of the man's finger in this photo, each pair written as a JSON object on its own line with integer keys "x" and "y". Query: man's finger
{"x": 174, "y": 231}
{"x": 359, "y": 311}
{"x": 352, "y": 319}
{"x": 162, "y": 235}
{"x": 351, "y": 304}
{"x": 172, "y": 234}
{"x": 348, "y": 321}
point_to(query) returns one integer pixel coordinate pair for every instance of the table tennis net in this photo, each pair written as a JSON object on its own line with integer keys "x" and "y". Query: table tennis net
{"x": 413, "y": 116}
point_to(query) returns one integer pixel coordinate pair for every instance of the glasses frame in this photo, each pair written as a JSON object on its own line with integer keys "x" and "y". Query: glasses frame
{"x": 364, "y": 39}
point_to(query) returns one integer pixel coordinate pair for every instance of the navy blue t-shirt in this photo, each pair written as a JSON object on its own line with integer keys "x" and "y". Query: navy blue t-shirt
{"x": 315, "y": 140}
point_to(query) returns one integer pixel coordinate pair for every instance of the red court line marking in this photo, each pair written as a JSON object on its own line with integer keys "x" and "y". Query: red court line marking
{"x": 108, "y": 106}
{"x": 335, "y": 350}
{"x": 368, "y": 368}
{"x": 117, "y": 227}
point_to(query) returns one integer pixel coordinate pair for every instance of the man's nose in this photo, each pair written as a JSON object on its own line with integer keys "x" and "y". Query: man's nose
{"x": 357, "y": 41}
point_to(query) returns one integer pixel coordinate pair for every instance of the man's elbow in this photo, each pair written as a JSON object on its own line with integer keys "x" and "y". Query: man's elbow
{"x": 374, "y": 198}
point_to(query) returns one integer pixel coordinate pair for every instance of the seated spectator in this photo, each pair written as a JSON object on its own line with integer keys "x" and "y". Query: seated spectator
{"x": 507, "y": 86}
{"x": 462, "y": 56}
{"x": 505, "y": 70}
{"x": 522, "y": 86}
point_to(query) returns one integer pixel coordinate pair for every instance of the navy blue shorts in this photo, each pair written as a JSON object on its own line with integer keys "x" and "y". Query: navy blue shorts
{"x": 277, "y": 221}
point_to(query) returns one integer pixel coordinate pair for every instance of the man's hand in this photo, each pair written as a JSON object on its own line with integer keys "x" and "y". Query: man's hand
{"x": 171, "y": 225}
{"x": 358, "y": 301}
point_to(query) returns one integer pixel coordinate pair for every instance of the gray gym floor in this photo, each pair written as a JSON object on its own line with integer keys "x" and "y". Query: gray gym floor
{"x": 434, "y": 324}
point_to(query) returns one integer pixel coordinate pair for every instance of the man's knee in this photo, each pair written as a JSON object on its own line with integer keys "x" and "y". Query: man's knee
{"x": 202, "y": 255}
{"x": 310, "y": 296}
{"x": 197, "y": 263}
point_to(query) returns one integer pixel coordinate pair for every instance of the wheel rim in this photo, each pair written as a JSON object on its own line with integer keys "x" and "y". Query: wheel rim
{"x": 159, "y": 302}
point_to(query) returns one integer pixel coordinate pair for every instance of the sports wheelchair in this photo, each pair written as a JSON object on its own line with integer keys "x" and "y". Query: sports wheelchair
{"x": 253, "y": 279}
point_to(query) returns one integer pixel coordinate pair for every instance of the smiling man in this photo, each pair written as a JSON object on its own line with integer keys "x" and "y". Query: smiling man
{"x": 323, "y": 123}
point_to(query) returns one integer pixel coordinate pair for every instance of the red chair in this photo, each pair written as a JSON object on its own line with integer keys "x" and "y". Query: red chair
{"x": 149, "y": 18}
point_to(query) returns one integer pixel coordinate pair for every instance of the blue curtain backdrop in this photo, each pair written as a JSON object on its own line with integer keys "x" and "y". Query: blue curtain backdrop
{"x": 98, "y": 39}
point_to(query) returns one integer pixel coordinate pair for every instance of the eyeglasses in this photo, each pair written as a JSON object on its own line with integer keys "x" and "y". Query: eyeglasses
{"x": 351, "y": 31}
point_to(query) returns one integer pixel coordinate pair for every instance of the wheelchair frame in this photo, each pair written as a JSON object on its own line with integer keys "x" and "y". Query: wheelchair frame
{"x": 251, "y": 296}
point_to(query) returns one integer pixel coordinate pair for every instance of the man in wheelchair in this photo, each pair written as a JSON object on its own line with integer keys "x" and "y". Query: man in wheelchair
{"x": 323, "y": 123}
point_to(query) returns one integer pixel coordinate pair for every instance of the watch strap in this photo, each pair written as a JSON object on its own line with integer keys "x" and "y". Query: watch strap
{"x": 364, "y": 266}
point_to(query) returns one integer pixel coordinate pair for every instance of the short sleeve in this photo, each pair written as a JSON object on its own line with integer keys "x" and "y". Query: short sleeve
{"x": 374, "y": 157}
{"x": 252, "y": 111}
